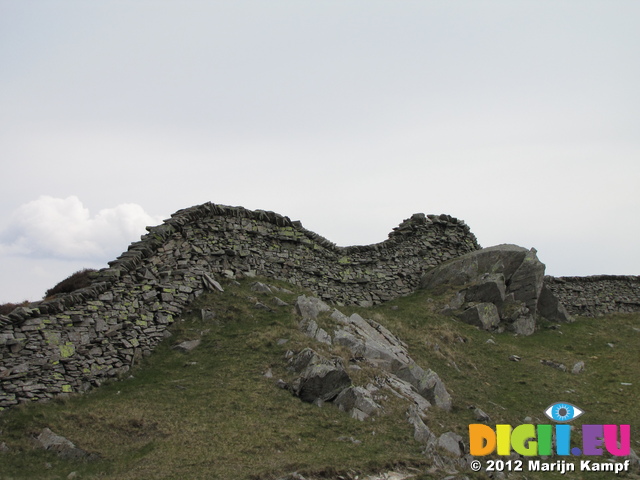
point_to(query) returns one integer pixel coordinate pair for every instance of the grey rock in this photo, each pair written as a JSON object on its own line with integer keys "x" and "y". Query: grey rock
{"x": 578, "y": 368}
{"x": 452, "y": 443}
{"x": 489, "y": 287}
{"x": 403, "y": 389}
{"x": 48, "y": 440}
{"x": 357, "y": 398}
{"x": 262, "y": 306}
{"x": 318, "y": 377}
{"x": 311, "y": 329}
{"x": 507, "y": 276}
{"x": 321, "y": 380}
{"x": 187, "y": 345}
{"x": 207, "y": 315}
{"x": 210, "y": 284}
{"x": 260, "y": 287}
{"x": 310, "y": 307}
{"x": 303, "y": 359}
{"x": 550, "y": 307}
{"x": 557, "y": 365}
{"x": 526, "y": 282}
{"x": 427, "y": 383}
{"x": 370, "y": 340}
{"x": 480, "y": 416}
{"x": 483, "y": 315}
{"x": 421, "y": 432}
{"x": 524, "y": 325}
{"x": 464, "y": 269}
{"x": 280, "y": 303}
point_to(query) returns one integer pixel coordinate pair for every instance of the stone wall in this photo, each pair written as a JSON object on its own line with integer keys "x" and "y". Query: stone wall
{"x": 71, "y": 342}
{"x": 597, "y": 295}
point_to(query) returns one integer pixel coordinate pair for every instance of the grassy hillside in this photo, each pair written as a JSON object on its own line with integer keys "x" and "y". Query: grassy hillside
{"x": 212, "y": 413}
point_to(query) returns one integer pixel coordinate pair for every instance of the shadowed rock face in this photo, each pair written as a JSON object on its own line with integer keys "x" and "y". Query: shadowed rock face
{"x": 500, "y": 287}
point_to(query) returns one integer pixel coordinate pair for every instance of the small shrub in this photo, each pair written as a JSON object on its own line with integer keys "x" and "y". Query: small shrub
{"x": 75, "y": 281}
{"x": 7, "y": 308}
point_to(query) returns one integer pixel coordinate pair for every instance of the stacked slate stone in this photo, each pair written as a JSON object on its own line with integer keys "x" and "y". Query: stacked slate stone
{"x": 598, "y": 294}
{"x": 73, "y": 341}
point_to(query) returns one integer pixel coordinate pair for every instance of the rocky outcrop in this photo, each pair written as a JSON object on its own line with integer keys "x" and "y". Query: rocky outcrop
{"x": 319, "y": 378}
{"x": 498, "y": 288}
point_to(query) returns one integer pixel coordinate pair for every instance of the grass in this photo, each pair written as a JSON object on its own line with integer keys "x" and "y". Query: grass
{"x": 211, "y": 413}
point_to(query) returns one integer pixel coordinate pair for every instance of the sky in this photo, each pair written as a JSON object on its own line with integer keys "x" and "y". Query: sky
{"x": 521, "y": 118}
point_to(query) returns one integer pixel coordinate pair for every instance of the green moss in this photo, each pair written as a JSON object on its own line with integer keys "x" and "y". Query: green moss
{"x": 67, "y": 350}
{"x": 52, "y": 338}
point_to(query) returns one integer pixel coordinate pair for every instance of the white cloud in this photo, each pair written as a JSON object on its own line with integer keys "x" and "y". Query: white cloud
{"x": 64, "y": 228}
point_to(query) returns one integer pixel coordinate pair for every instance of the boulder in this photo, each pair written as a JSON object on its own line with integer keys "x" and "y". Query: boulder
{"x": 508, "y": 277}
{"x": 60, "y": 445}
{"x": 550, "y": 307}
{"x": 310, "y": 307}
{"x": 322, "y": 381}
{"x": 319, "y": 378}
{"x": 452, "y": 443}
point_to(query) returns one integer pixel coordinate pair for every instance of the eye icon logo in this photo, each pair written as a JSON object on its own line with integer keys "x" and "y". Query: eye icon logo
{"x": 563, "y": 412}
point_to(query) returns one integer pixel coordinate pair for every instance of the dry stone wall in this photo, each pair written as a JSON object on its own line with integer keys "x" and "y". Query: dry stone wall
{"x": 598, "y": 294}
{"x": 69, "y": 343}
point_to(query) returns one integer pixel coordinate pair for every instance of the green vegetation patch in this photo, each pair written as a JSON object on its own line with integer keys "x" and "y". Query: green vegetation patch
{"x": 212, "y": 413}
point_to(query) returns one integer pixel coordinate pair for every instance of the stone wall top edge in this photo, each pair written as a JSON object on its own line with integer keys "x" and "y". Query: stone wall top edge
{"x": 591, "y": 278}
{"x": 157, "y": 235}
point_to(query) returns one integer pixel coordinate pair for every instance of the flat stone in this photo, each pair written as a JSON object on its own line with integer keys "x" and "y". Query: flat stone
{"x": 211, "y": 284}
{"x": 187, "y": 345}
{"x": 59, "y": 444}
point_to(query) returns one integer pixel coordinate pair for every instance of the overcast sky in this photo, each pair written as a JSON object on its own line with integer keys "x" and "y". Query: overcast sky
{"x": 520, "y": 117}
